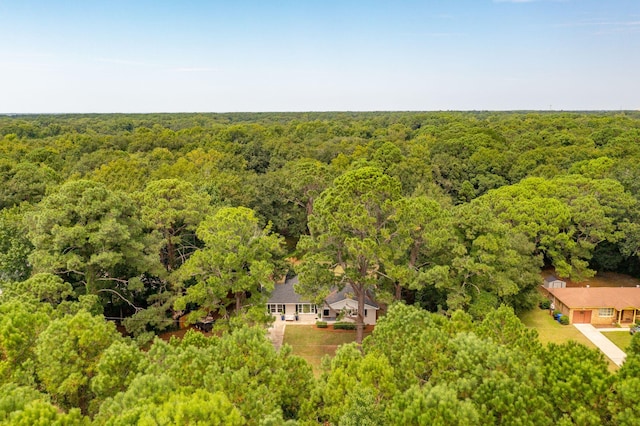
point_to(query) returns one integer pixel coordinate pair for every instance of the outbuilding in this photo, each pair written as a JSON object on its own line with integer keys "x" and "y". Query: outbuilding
{"x": 553, "y": 282}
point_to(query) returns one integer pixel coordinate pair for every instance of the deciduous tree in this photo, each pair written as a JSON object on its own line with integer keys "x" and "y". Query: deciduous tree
{"x": 239, "y": 259}
{"x": 174, "y": 209}
{"x": 89, "y": 233}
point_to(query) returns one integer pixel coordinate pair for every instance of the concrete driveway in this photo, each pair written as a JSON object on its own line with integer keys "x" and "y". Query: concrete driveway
{"x": 276, "y": 333}
{"x": 607, "y": 347}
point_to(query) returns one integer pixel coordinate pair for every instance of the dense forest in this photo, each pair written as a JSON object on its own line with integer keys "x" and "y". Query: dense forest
{"x": 446, "y": 219}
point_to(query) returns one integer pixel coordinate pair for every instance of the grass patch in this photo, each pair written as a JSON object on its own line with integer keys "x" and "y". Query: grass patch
{"x": 312, "y": 343}
{"x": 550, "y": 331}
{"x": 621, "y": 339}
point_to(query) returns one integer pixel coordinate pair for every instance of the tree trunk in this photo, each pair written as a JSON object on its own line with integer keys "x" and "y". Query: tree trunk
{"x": 309, "y": 211}
{"x": 398, "y": 295}
{"x": 90, "y": 279}
{"x": 171, "y": 253}
{"x": 360, "y": 318}
{"x": 309, "y": 206}
{"x": 239, "y": 295}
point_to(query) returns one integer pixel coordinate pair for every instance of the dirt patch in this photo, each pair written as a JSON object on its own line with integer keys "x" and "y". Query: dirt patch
{"x": 121, "y": 329}
{"x": 179, "y": 334}
{"x": 182, "y": 321}
{"x": 607, "y": 279}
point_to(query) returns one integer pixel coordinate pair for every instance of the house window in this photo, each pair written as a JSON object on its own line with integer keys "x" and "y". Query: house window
{"x": 350, "y": 312}
{"x": 306, "y": 308}
{"x": 605, "y": 312}
{"x": 366, "y": 311}
{"x": 275, "y": 308}
{"x": 326, "y": 313}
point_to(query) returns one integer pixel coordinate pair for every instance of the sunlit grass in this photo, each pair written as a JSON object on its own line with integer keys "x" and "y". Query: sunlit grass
{"x": 621, "y": 339}
{"x": 313, "y": 343}
{"x": 551, "y": 331}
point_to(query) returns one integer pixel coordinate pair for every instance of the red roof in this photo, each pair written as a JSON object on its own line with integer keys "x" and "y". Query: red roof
{"x": 598, "y": 297}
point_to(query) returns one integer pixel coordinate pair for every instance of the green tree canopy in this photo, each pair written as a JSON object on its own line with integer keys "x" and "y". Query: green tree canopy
{"x": 350, "y": 229}
{"x": 240, "y": 259}
{"x": 93, "y": 235}
{"x": 14, "y": 245}
{"x": 174, "y": 209}
{"x": 67, "y": 355}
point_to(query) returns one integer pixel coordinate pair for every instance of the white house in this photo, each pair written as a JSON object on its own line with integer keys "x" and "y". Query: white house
{"x": 284, "y": 301}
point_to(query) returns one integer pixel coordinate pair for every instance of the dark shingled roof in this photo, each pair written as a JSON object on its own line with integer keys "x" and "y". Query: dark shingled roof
{"x": 336, "y": 296}
{"x": 284, "y": 293}
{"x": 551, "y": 278}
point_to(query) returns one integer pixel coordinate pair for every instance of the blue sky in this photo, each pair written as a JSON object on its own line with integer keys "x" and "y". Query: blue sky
{"x": 313, "y": 55}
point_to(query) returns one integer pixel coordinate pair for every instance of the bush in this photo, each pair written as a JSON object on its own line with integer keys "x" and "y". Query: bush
{"x": 556, "y": 312}
{"x": 321, "y": 324}
{"x": 564, "y": 320}
{"x": 545, "y": 304}
{"x": 344, "y": 326}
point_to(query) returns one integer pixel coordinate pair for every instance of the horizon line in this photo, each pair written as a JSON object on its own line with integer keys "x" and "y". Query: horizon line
{"x": 317, "y": 111}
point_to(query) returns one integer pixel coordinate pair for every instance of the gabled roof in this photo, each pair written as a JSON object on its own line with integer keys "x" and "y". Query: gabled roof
{"x": 346, "y": 293}
{"x": 551, "y": 278}
{"x": 598, "y": 297}
{"x": 284, "y": 293}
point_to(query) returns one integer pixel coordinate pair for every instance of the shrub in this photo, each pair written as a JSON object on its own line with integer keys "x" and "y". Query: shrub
{"x": 564, "y": 320}
{"x": 321, "y": 324}
{"x": 344, "y": 326}
{"x": 545, "y": 304}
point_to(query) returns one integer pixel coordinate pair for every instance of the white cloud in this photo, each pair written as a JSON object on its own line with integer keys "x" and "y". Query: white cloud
{"x": 602, "y": 23}
{"x": 607, "y": 27}
{"x": 194, "y": 69}
{"x": 117, "y": 61}
{"x": 434, "y": 34}
{"x": 31, "y": 55}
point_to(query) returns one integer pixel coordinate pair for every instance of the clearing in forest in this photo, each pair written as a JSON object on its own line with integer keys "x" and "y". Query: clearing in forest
{"x": 312, "y": 343}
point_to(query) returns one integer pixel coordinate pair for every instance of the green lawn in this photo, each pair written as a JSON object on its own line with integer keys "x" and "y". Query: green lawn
{"x": 313, "y": 343}
{"x": 622, "y": 339}
{"x": 551, "y": 331}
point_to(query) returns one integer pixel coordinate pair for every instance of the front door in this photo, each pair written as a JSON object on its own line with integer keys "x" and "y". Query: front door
{"x": 582, "y": 317}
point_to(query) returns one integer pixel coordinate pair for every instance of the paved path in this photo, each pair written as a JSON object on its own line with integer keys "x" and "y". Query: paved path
{"x": 276, "y": 333}
{"x": 606, "y": 346}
